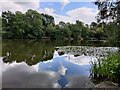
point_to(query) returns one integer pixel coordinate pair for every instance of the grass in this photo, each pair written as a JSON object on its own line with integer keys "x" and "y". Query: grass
{"x": 107, "y": 69}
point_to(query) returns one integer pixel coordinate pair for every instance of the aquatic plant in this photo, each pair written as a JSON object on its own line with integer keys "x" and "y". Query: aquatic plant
{"x": 107, "y": 68}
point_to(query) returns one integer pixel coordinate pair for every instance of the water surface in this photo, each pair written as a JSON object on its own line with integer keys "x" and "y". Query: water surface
{"x": 38, "y": 64}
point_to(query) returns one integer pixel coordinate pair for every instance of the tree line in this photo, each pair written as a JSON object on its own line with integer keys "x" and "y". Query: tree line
{"x": 35, "y": 25}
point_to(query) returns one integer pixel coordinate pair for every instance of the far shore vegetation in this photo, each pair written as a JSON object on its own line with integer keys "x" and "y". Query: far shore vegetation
{"x": 34, "y": 25}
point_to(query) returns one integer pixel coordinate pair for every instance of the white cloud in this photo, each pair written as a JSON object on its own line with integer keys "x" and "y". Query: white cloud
{"x": 84, "y": 14}
{"x": 49, "y": 11}
{"x": 20, "y": 75}
{"x": 64, "y": 3}
{"x": 81, "y": 60}
{"x": 19, "y": 6}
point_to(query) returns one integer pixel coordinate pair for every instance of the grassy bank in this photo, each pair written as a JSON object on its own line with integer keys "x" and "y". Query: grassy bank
{"x": 107, "y": 69}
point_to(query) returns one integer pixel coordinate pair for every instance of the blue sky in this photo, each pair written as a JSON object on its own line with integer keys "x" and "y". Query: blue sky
{"x": 62, "y": 11}
{"x": 71, "y": 11}
{"x": 72, "y": 5}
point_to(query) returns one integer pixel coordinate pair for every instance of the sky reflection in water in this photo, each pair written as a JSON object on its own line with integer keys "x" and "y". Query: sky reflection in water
{"x": 66, "y": 68}
{"x": 19, "y": 70}
{"x": 55, "y": 73}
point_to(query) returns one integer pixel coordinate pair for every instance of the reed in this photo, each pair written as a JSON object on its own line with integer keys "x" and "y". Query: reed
{"x": 107, "y": 68}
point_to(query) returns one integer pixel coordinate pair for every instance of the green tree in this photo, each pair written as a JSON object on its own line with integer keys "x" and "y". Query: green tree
{"x": 50, "y": 29}
{"x": 47, "y": 19}
{"x": 7, "y": 23}
{"x": 76, "y": 32}
{"x": 110, "y": 11}
{"x": 33, "y": 24}
{"x": 64, "y": 30}
{"x": 19, "y": 25}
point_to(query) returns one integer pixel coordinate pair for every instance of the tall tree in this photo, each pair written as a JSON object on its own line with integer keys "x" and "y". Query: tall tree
{"x": 34, "y": 23}
{"x": 7, "y": 23}
{"x": 109, "y": 11}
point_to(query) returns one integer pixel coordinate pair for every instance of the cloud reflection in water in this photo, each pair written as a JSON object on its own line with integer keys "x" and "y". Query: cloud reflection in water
{"x": 55, "y": 73}
{"x": 24, "y": 76}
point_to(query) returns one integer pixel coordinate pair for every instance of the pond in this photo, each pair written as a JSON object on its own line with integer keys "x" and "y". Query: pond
{"x": 49, "y": 64}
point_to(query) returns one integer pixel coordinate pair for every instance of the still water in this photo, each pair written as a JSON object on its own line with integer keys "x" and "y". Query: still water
{"x": 49, "y": 64}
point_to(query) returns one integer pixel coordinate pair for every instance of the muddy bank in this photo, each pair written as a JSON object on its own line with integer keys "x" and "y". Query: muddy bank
{"x": 107, "y": 84}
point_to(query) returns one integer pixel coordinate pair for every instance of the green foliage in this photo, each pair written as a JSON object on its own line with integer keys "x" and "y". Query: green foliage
{"x": 19, "y": 25}
{"x": 64, "y": 31}
{"x": 107, "y": 69}
{"x": 109, "y": 11}
{"x": 47, "y": 20}
{"x": 76, "y": 32}
{"x": 33, "y": 25}
{"x": 49, "y": 31}
{"x": 7, "y": 23}
{"x": 97, "y": 31}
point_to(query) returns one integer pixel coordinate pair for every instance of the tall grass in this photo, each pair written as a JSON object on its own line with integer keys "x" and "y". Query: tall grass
{"x": 107, "y": 68}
